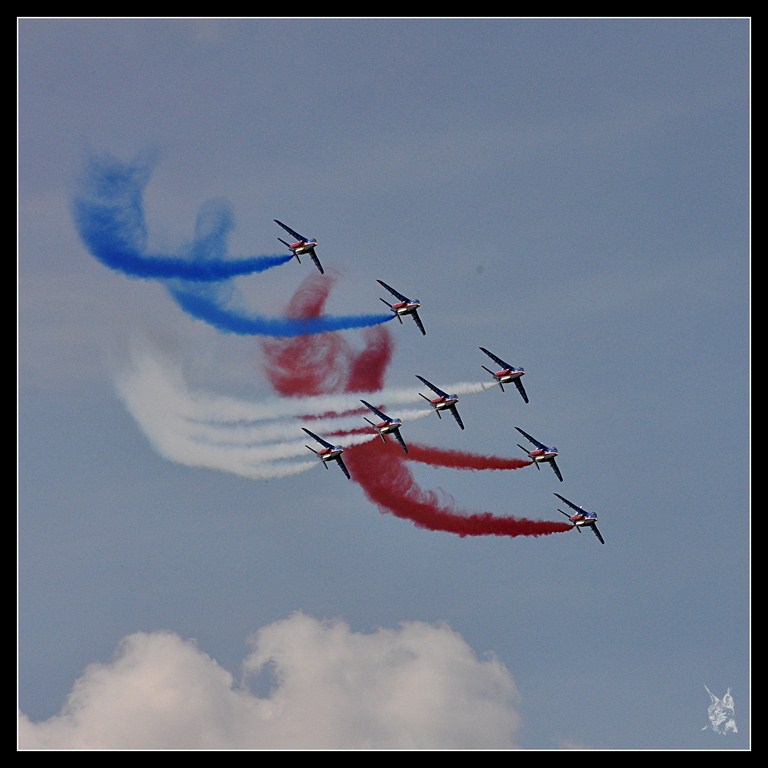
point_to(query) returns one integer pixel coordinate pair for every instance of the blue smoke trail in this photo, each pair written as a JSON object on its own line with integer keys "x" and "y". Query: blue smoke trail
{"x": 206, "y": 305}
{"x": 108, "y": 211}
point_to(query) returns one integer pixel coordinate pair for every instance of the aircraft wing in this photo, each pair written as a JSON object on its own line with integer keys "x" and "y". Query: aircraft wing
{"x": 319, "y": 439}
{"x": 597, "y": 533}
{"x": 379, "y": 413}
{"x": 570, "y": 503}
{"x": 313, "y": 256}
{"x": 493, "y": 357}
{"x": 416, "y": 317}
{"x": 455, "y": 411}
{"x": 400, "y": 440}
{"x": 343, "y": 466}
{"x": 435, "y": 389}
{"x": 557, "y": 470}
{"x": 533, "y": 440}
{"x": 521, "y": 389}
{"x": 289, "y": 230}
{"x": 393, "y": 291}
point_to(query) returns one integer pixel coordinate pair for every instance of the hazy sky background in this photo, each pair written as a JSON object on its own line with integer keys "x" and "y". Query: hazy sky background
{"x": 572, "y": 194}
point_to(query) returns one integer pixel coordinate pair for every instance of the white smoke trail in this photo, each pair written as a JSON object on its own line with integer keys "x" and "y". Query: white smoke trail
{"x": 216, "y": 408}
{"x": 254, "y": 439}
{"x": 254, "y": 433}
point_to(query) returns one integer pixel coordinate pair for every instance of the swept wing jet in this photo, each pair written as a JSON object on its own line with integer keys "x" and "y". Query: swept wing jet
{"x": 300, "y": 245}
{"x": 581, "y": 518}
{"x": 403, "y": 307}
{"x": 443, "y": 401}
{"x": 328, "y": 453}
{"x": 541, "y": 453}
{"x": 386, "y": 425}
{"x": 507, "y": 374}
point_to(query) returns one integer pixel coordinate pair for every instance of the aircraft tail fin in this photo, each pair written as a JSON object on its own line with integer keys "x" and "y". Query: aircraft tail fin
{"x": 393, "y": 309}
{"x": 498, "y": 381}
{"x": 288, "y": 246}
{"x": 383, "y": 439}
{"x": 430, "y": 402}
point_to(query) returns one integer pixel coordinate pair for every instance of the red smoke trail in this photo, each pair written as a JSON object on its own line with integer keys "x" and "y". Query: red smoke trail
{"x": 388, "y": 483}
{"x": 324, "y": 364}
{"x": 461, "y": 460}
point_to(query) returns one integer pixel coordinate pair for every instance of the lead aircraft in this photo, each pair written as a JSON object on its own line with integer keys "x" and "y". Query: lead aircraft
{"x": 386, "y": 425}
{"x": 443, "y": 401}
{"x": 328, "y": 453}
{"x": 581, "y": 518}
{"x": 301, "y": 245}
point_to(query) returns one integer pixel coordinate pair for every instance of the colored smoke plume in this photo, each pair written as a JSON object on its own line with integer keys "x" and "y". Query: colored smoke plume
{"x": 108, "y": 212}
{"x": 315, "y": 365}
{"x": 389, "y": 484}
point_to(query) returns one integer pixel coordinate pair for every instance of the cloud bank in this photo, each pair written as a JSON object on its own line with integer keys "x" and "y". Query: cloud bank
{"x": 306, "y": 684}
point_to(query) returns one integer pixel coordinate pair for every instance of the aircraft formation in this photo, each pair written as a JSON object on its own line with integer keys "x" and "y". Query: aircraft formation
{"x": 441, "y": 400}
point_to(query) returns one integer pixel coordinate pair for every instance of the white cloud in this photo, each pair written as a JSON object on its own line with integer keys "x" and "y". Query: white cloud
{"x": 416, "y": 687}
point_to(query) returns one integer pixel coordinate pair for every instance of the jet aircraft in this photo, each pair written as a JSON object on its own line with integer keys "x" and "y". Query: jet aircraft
{"x": 328, "y": 453}
{"x": 386, "y": 425}
{"x": 507, "y": 374}
{"x": 443, "y": 401}
{"x": 581, "y": 518}
{"x": 542, "y": 453}
{"x": 405, "y": 306}
{"x": 301, "y": 245}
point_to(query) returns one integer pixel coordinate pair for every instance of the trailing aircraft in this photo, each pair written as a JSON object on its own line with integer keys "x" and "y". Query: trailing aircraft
{"x": 541, "y": 454}
{"x": 328, "y": 453}
{"x": 581, "y": 518}
{"x": 443, "y": 401}
{"x": 507, "y": 374}
{"x": 405, "y": 306}
{"x": 386, "y": 426}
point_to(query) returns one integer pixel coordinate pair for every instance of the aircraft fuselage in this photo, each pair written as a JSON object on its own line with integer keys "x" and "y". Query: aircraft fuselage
{"x": 405, "y": 308}
{"x": 506, "y": 376}
{"x": 388, "y": 426}
{"x": 302, "y": 247}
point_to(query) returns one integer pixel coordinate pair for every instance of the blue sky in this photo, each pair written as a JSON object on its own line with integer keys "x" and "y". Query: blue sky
{"x": 573, "y": 194}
